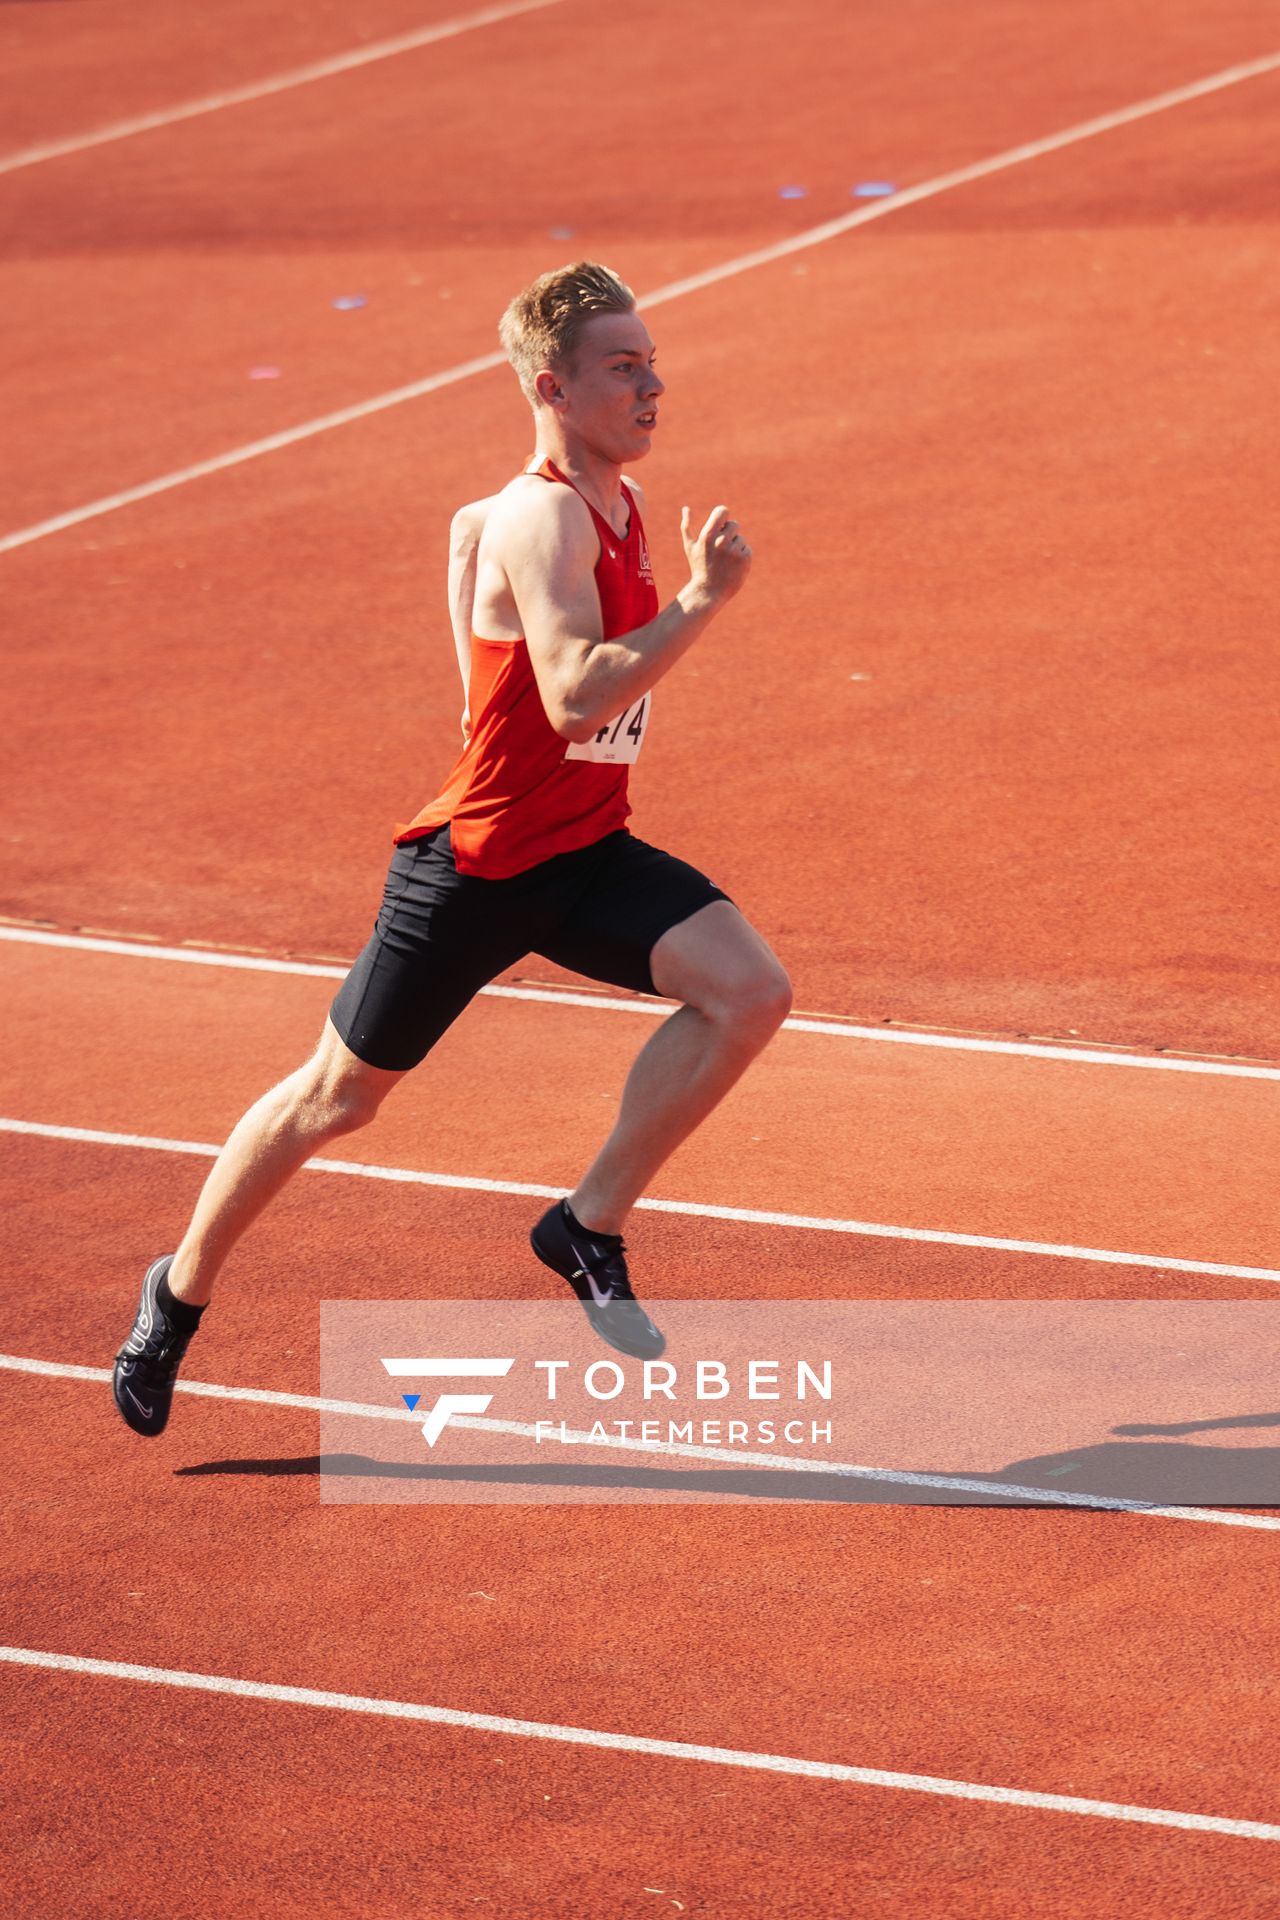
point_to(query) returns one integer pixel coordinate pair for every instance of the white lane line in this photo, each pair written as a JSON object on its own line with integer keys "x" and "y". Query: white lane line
{"x": 566, "y": 997}
{"x": 712, "y": 276}
{"x": 276, "y": 83}
{"x": 690, "y": 1209}
{"x": 636, "y": 1743}
{"x": 977, "y": 170}
{"x": 996, "y": 1492}
{"x": 272, "y": 444}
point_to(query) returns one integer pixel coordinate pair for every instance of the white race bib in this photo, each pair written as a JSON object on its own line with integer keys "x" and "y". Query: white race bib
{"x": 618, "y": 741}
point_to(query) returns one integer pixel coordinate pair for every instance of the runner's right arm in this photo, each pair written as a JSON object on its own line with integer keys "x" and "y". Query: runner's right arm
{"x": 549, "y": 549}
{"x": 464, "y": 545}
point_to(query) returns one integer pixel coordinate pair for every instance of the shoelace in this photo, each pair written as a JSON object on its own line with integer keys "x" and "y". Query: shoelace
{"x": 611, "y": 1271}
{"x": 160, "y": 1361}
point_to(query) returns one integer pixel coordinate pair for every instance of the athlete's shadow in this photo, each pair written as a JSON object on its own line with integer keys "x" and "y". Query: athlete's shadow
{"x": 1148, "y": 1464}
{"x": 724, "y": 1482}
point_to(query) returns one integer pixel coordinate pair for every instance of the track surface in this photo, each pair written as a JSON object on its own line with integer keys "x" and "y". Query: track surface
{"x": 986, "y": 746}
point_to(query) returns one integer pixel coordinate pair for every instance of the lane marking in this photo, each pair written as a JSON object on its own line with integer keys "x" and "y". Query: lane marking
{"x": 976, "y": 170}
{"x": 996, "y": 1493}
{"x": 676, "y": 289}
{"x": 690, "y": 1209}
{"x": 636, "y": 1743}
{"x": 271, "y": 444}
{"x": 277, "y": 83}
{"x": 566, "y": 997}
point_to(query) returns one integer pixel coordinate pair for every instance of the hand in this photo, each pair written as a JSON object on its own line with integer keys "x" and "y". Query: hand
{"x": 719, "y": 558}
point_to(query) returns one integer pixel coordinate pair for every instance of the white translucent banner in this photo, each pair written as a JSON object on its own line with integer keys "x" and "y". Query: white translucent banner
{"x": 991, "y": 1402}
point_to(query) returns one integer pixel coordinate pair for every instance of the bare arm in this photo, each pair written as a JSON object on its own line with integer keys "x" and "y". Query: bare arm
{"x": 464, "y": 545}
{"x": 549, "y": 553}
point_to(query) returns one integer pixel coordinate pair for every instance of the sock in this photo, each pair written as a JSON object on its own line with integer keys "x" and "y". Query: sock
{"x": 181, "y": 1313}
{"x": 592, "y": 1233}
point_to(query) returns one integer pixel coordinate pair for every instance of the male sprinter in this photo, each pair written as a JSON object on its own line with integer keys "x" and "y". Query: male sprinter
{"x": 561, "y": 643}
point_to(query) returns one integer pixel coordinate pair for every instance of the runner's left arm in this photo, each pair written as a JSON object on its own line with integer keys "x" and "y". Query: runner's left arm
{"x": 464, "y": 545}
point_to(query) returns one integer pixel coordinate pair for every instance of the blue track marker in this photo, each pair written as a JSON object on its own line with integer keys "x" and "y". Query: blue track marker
{"x": 793, "y": 193}
{"x": 411, "y": 1400}
{"x": 872, "y": 189}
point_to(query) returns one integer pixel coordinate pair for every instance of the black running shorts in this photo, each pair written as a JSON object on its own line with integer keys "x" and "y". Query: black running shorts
{"x": 441, "y": 935}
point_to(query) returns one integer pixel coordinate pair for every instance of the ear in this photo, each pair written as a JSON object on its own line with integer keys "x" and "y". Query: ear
{"x": 548, "y": 388}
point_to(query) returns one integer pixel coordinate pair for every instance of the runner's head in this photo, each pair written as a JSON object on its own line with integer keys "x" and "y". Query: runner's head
{"x": 584, "y": 358}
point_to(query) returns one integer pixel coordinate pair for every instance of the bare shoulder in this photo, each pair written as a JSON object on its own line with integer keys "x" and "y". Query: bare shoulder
{"x": 531, "y": 513}
{"x": 468, "y": 522}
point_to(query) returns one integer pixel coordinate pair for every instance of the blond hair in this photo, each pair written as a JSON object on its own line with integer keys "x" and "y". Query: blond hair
{"x": 543, "y": 325}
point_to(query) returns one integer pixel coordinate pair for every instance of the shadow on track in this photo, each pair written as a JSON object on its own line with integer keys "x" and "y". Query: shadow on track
{"x": 1153, "y": 1468}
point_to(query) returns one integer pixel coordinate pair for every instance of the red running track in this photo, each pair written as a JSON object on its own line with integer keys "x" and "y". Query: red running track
{"x": 1001, "y": 453}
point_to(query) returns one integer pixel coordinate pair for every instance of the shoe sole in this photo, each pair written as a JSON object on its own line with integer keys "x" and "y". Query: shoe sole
{"x": 650, "y": 1353}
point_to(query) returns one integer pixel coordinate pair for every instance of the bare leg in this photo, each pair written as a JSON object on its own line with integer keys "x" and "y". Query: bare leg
{"x": 333, "y": 1093}
{"x": 736, "y": 997}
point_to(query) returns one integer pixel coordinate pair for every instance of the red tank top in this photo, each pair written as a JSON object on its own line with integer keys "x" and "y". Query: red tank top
{"x": 518, "y": 792}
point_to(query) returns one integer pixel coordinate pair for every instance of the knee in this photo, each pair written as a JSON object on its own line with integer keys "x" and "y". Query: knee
{"x": 756, "y": 1005}
{"x": 353, "y": 1104}
{"x": 340, "y": 1102}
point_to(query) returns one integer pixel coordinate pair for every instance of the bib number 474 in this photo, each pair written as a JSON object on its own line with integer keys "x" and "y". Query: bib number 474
{"x": 619, "y": 740}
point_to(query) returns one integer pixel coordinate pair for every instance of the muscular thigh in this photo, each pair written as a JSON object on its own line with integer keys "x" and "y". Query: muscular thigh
{"x": 717, "y": 961}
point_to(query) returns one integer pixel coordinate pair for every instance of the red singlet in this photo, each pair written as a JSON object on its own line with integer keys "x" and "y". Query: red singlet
{"x": 519, "y": 792}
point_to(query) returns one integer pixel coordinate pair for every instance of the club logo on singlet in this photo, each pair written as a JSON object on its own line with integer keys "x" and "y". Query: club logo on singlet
{"x": 646, "y": 570}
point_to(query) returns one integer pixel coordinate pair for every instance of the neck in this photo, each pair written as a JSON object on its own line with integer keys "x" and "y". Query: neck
{"x": 600, "y": 481}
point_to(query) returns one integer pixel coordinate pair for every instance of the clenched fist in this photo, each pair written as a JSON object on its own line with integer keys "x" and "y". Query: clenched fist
{"x": 719, "y": 558}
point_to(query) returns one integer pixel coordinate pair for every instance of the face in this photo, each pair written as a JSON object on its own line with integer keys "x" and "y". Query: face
{"x": 608, "y": 399}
